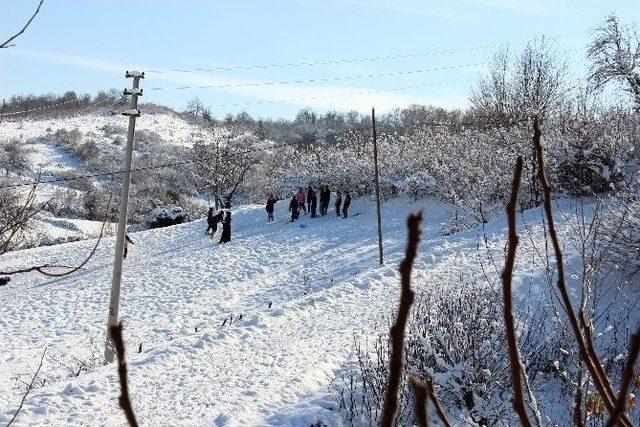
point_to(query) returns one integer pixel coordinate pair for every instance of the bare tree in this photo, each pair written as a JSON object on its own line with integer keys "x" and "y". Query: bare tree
{"x": 615, "y": 52}
{"x": 15, "y": 214}
{"x": 7, "y": 43}
{"x": 515, "y": 89}
{"x": 221, "y": 164}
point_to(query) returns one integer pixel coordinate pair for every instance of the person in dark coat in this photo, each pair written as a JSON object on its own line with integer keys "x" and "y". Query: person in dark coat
{"x": 271, "y": 201}
{"x": 338, "y": 202}
{"x": 213, "y": 220}
{"x": 293, "y": 208}
{"x": 226, "y": 224}
{"x": 310, "y": 194}
{"x": 210, "y": 215}
{"x": 325, "y": 198}
{"x": 313, "y": 203}
{"x": 347, "y": 203}
{"x": 127, "y": 240}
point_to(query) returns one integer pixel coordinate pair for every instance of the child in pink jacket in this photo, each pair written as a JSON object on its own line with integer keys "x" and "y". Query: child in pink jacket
{"x": 301, "y": 198}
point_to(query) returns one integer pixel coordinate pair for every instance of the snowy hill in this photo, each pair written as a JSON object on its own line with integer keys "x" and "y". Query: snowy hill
{"x": 87, "y": 142}
{"x": 303, "y": 294}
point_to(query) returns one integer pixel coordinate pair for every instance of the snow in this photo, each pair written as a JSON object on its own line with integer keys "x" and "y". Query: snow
{"x": 303, "y": 295}
{"x": 178, "y": 131}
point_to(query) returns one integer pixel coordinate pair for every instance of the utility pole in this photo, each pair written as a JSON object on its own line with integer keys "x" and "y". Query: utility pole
{"x": 116, "y": 279}
{"x": 375, "y": 167}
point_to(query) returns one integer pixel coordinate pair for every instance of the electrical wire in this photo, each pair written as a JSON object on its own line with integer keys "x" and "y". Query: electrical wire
{"x": 339, "y": 95}
{"x": 322, "y": 79}
{"x": 442, "y": 51}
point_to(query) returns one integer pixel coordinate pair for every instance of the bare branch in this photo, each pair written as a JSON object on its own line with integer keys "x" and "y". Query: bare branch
{"x": 436, "y": 403}
{"x": 507, "y": 274}
{"x": 422, "y": 400}
{"x": 115, "y": 334}
{"x": 29, "y": 388}
{"x": 627, "y": 378}
{"x": 10, "y": 39}
{"x": 582, "y": 336}
{"x": 42, "y": 269}
{"x": 577, "y": 409}
{"x": 398, "y": 329}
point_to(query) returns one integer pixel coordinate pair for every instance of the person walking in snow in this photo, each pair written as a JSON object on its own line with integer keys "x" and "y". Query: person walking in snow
{"x": 325, "y": 198}
{"x": 271, "y": 201}
{"x": 347, "y": 203}
{"x": 310, "y": 194}
{"x": 213, "y": 220}
{"x": 301, "y": 198}
{"x": 210, "y": 223}
{"x": 313, "y": 202}
{"x": 226, "y": 224}
{"x": 338, "y": 202}
{"x": 127, "y": 240}
{"x": 293, "y": 208}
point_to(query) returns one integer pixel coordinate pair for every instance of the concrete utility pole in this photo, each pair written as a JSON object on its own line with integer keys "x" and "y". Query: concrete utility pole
{"x": 116, "y": 279}
{"x": 375, "y": 167}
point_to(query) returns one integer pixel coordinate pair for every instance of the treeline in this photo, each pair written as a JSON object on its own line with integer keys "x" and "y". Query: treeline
{"x": 51, "y": 105}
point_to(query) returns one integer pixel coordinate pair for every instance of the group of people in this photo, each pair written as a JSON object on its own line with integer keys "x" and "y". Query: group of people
{"x": 308, "y": 203}
{"x": 216, "y": 217}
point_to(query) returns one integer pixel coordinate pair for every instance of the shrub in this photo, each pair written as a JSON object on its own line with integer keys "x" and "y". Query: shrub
{"x": 164, "y": 217}
{"x": 456, "y": 338}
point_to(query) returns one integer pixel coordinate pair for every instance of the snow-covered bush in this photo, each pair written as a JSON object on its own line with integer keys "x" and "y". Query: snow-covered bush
{"x": 68, "y": 140}
{"x": 14, "y": 157}
{"x": 457, "y": 339}
{"x": 164, "y": 217}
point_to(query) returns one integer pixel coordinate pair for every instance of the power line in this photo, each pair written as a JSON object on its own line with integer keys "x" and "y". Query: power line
{"x": 443, "y": 51}
{"x": 365, "y": 92}
{"x": 333, "y": 79}
{"x": 322, "y": 79}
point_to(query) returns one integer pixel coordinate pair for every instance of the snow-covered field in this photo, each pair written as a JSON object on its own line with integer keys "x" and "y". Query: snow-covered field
{"x": 303, "y": 294}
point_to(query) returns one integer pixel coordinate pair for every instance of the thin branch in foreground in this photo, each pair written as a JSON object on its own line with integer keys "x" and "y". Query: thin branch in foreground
{"x": 590, "y": 359}
{"x": 6, "y": 44}
{"x": 115, "y": 334}
{"x": 398, "y": 329}
{"x": 577, "y": 408}
{"x": 436, "y": 403}
{"x": 29, "y": 388}
{"x": 421, "y": 401}
{"x": 507, "y": 294}
{"x": 627, "y": 378}
{"x": 71, "y": 269}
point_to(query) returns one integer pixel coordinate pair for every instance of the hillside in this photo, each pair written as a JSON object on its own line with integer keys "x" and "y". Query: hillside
{"x": 304, "y": 295}
{"x": 76, "y": 144}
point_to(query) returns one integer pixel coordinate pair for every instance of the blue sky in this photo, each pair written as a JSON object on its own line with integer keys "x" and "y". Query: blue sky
{"x": 86, "y": 45}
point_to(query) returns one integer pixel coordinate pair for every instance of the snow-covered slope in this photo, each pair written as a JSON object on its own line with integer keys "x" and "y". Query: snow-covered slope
{"x": 303, "y": 294}
{"x": 176, "y": 130}
{"x": 38, "y": 140}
